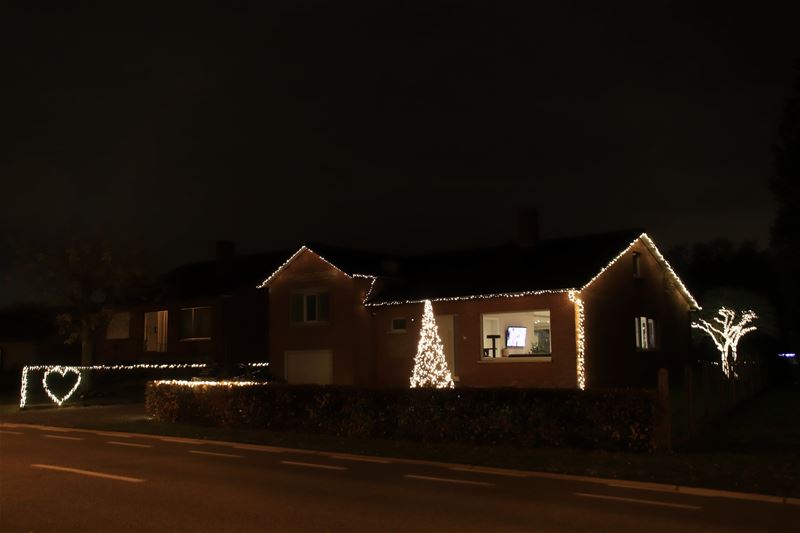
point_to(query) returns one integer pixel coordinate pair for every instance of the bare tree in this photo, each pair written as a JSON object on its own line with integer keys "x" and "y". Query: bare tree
{"x": 87, "y": 280}
{"x": 726, "y": 334}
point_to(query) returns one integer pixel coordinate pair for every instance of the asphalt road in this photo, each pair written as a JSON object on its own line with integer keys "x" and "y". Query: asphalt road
{"x": 64, "y": 480}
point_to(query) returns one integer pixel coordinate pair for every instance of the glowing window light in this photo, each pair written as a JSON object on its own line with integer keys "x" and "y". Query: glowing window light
{"x": 23, "y": 393}
{"x": 727, "y": 334}
{"x": 430, "y": 363}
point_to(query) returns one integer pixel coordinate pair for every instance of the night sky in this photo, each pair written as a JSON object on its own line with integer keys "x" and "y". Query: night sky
{"x": 399, "y": 126}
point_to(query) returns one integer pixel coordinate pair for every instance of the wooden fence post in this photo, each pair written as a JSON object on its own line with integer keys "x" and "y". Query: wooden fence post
{"x": 663, "y": 429}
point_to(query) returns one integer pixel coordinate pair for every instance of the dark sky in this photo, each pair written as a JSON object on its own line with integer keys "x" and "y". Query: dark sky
{"x": 389, "y": 125}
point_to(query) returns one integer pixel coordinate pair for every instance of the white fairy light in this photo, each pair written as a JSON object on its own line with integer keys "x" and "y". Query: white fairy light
{"x": 193, "y": 384}
{"x": 430, "y": 364}
{"x": 648, "y": 242}
{"x": 573, "y": 293}
{"x": 63, "y": 370}
{"x": 295, "y": 255}
{"x": 23, "y": 392}
{"x": 472, "y": 297}
{"x": 580, "y": 338}
{"x": 726, "y": 336}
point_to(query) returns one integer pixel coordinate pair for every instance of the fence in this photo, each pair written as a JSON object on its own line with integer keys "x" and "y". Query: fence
{"x": 702, "y": 394}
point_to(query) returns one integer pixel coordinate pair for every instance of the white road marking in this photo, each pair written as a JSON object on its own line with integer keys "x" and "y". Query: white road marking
{"x": 216, "y": 454}
{"x": 132, "y": 444}
{"x": 180, "y": 440}
{"x": 89, "y": 473}
{"x": 6, "y": 432}
{"x": 114, "y": 434}
{"x": 656, "y": 487}
{"x": 256, "y": 448}
{"x": 636, "y": 500}
{"x": 450, "y": 480}
{"x": 492, "y": 471}
{"x": 314, "y": 465}
{"x": 360, "y": 459}
{"x": 63, "y": 437}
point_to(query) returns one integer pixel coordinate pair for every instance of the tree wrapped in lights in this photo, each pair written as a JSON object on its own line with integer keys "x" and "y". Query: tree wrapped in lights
{"x": 727, "y": 333}
{"x": 430, "y": 364}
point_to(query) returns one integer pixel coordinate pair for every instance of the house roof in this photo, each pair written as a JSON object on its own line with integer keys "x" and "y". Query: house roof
{"x": 553, "y": 265}
{"x": 550, "y": 265}
{"x": 212, "y": 278}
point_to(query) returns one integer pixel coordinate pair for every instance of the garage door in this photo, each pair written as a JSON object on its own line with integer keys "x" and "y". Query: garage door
{"x": 309, "y": 366}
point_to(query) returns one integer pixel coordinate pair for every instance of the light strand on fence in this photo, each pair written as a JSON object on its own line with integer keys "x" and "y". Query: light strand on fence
{"x": 65, "y": 369}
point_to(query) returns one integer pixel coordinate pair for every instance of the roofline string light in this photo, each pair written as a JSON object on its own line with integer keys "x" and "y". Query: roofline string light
{"x": 659, "y": 257}
{"x": 644, "y": 237}
{"x": 64, "y": 369}
{"x": 472, "y": 297}
{"x": 574, "y": 295}
{"x": 295, "y": 256}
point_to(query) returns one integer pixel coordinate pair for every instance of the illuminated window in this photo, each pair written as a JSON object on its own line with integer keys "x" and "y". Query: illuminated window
{"x": 119, "y": 327}
{"x": 311, "y": 306}
{"x": 521, "y": 334}
{"x": 398, "y": 325}
{"x": 195, "y": 323}
{"x": 645, "y": 333}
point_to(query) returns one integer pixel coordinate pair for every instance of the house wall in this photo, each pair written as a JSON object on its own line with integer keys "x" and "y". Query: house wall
{"x": 346, "y": 334}
{"x": 394, "y": 352}
{"x": 238, "y": 333}
{"x": 612, "y": 302}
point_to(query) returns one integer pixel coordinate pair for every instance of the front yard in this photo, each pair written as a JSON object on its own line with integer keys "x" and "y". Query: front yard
{"x": 756, "y": 449}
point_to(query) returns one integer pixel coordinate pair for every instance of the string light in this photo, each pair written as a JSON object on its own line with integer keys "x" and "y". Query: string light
{"x": 648, "y": 242}
{"x": 472, "y": 297}
{"x": 573, "y": 293}
{"x": 430, "y": 364}
{"x": 297, "y": 254}
{"x": 580, "y": 338}
{"x": 23, "y": 393}
{"x": 193, "y": 384}
{"x": 727, "y": 336}
{"x": 63, "y": 370}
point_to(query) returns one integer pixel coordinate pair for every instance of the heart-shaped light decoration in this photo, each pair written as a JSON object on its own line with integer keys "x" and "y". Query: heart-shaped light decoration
{"x": 63, "y": 370}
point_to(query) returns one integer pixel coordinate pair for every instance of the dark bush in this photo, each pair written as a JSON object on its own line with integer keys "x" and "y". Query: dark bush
{"x": 613, "y": 419}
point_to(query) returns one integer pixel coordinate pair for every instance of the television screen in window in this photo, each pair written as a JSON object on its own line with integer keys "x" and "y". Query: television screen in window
{"x": 515, "y": 337}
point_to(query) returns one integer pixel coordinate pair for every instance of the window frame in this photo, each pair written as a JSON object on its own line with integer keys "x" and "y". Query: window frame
{"x": 195, "y": 338}
{"x": 393, "y": 329}
{"x": 520, "y": 358}
{"x": 306, "y": 294}
{"x": 646, "y": 339}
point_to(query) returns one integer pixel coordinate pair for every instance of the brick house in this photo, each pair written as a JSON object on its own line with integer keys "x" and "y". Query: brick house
{"x": 603, "y": 310}
{"x": 206, "y": 312}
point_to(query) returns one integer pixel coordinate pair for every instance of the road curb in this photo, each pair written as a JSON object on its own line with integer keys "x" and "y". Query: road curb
{"x": 611, "y": 482}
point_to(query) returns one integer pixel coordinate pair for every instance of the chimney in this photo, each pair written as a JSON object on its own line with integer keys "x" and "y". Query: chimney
{"x": 224, "y": 257}
{"x": 528, "y": 218}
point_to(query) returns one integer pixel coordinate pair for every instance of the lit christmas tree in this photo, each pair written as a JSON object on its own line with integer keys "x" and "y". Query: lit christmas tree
{"x": 430, "y": 364}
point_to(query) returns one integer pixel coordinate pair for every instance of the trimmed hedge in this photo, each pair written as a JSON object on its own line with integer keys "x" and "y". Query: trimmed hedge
{"x": 613, "y": 419}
